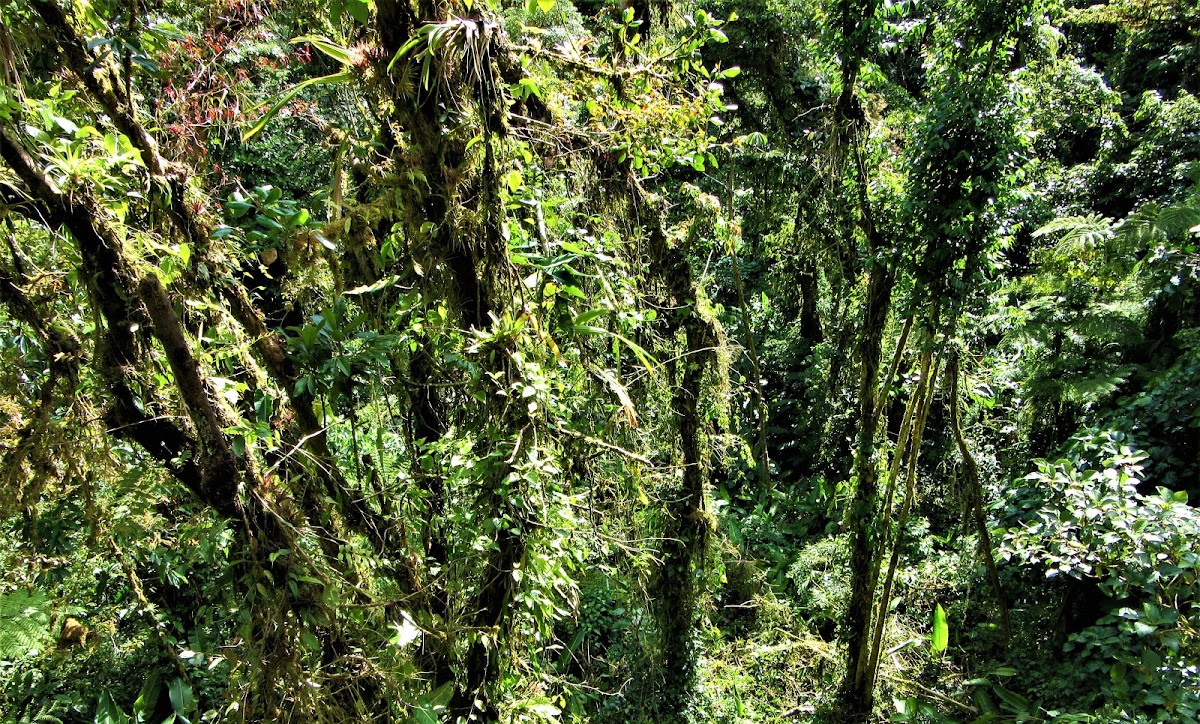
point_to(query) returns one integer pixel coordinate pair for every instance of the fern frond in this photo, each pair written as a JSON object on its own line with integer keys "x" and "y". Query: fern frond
{"x": 1111, "y": 321}
{"x": 1142, "y": 227}
{"x": 1179, "y": 219}
{"x": 24, "y": 623}
{"x": 1154, "y": 223}
{"x": 1096, "y": 387}
{"x": 1078, "y": 232}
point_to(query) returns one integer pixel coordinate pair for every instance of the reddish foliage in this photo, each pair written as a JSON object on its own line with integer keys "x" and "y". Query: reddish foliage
{"x": 204, "y": 86}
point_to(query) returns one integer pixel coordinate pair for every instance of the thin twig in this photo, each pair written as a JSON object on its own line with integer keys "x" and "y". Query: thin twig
{"x": 606, "y": 445}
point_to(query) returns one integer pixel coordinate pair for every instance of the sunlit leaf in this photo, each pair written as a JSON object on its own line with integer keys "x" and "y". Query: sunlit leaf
{"x": 940, "y": 638}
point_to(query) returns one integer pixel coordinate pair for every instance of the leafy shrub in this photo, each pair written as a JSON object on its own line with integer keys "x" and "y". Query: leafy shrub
{"x": 1162, "y": 420}
{"x": 1072, "y": 110}
{"x": 1084, "y": 517}
{"x": 822, "y": 589}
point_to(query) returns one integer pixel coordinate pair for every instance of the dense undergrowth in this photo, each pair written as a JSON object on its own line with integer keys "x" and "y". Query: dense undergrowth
{"x": 760, "y": 361}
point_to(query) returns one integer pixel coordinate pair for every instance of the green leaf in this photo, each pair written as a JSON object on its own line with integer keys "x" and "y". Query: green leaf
{"x": 148, "y": 697}
{"x": 423, "y": 714}
{"x": 643, "y": 356}
{"x": 1014, "y": 702}
{"x": 181, "y": 698}
{"x": 941, "y": 630}
{"x": 545, "y": 5}
{"x": 360, "y": 10}
{"x": 440, "y": 697}
{"x": 546, "y": 710}
{"x": 310, "y": 641}
{"x": 984, "y": 702}
{"x": 383, "y": 283}
{"x": 590, "y": 315}
{"x": 107, "y": 711}
{"x": 286, "y": 97}
{"x": 339, "y": 53}
{"x": 238, "y": 208}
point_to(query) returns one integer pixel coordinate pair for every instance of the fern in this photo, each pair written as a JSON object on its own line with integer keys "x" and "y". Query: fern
{"x": 1078, "y": 231}
{"x": 1179, "y": 219}
{"x": 1096, "y": 386}
{"x": 1156, "y": 224}
{"x": 1117, "y": 321}
{"x": 46, "y": 714}
{"x": 24, "y": 623}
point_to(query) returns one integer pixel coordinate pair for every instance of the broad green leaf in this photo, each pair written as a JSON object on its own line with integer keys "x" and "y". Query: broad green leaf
{"x": 1014, "y": 702}
{"x": 590, "y": 315}
{"x": 514, "y": 180}
{"x": 310, "y": 641}
{"x": 440, "y": 697}
{"x": 148, "y": 697}
{"x": 181, "y": 698}
{"x": 360, "y": 10}
{"x": 941, "y": 630}
{"x": 107, "y": 711}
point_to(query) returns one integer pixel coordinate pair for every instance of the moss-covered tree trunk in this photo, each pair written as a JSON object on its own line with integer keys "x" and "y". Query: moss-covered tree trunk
{"x": 856, "y": 696}
{"x": 677, "y": 586}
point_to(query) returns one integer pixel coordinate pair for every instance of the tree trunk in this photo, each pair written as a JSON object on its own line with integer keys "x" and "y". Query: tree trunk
{"x": 975, "y": 495}
{"x": 678, "y": 579}
{"x": 856, "y": 696}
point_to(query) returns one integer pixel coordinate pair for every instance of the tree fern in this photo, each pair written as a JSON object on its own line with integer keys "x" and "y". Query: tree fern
{"x": 24, "y": 623}
{"x": 1179, "y": 219}
{"x": 1078, "y": 231}
{"x": 1096, "y": 385}
{"x": 1149, "y": 224}
{"x": 1157, "y": 224}
{"x": 1115, "y": 321}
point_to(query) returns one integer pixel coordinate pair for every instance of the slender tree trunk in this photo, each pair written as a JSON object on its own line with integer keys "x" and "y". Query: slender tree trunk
{"x": 924, "y": 396}
{"x": 764, "y": 460}
{"x": 686, "y": 538}
{"x": 856, "y": 696}
{"x": 975, "y": 495}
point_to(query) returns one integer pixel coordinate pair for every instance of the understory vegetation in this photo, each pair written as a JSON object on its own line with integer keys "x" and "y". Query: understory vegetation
{"x": 597, "y": 361}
